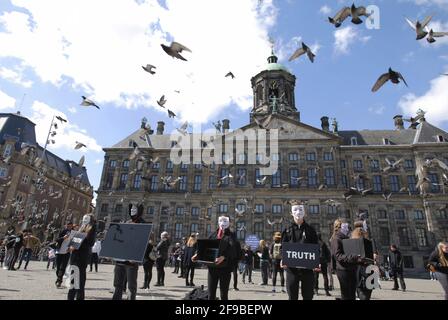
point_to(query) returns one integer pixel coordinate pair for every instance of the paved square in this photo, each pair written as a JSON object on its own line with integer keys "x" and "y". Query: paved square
{"x": 37, "y": 283}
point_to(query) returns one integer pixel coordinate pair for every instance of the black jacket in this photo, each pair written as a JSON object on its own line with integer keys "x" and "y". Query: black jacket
{"x": 248, "y": 257}
{"x": 434, "y": 260}
{"x": 302, "y": 234}
{"x": 344, "y": 262}
{"x": 395, "y": 260}
{"x": 81, "y": 256}
{"x": 325, "y": 254}
{"x": 162, "y": 249}
{"x": 18, "y": 244}
{"x": 264, "y": 253}
{"x": 189, "y": 252}
{"x": 148, "y": 251}
{"x": 229, "y": 248}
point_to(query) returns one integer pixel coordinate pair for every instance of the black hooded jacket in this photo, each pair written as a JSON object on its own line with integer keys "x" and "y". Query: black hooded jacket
{"x": 229, "y": 248}
{"x": 344, "y": 262}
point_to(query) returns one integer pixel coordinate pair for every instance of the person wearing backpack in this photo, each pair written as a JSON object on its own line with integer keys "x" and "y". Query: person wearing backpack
{"x": 325, "y": 258}
{"x": 276, "y": 256}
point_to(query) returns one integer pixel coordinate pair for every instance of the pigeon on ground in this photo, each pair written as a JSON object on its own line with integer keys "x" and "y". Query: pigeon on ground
{"x": 301, "y": 51}
{"x": 149, "y": 68}
{"x": 88, "y": 103}
{"x": 391, "y": 75}
{"x": 175, "y": 49}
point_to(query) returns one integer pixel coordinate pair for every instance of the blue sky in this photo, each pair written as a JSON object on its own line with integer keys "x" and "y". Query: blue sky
{"x": 56, "y": 51}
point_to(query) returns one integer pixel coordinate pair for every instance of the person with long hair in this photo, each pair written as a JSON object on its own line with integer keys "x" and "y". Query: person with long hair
{"x": 438, "y": 262}
{"x": 79, "y": 258}
{"x": 148, "y": 263}
{"x": 189, "y": 251}
{"x": 263, "y": 253}
{"x": 346, "y": 264}
{"x": 276, "y": 257}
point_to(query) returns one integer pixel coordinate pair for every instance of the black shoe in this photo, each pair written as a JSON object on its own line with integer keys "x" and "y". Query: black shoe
{"x": 58, "y": 284}
{"x": 395, "y": 289}
{"x": 180, "y": 276}
{"x": 404, "y": 290}
{"x": 192, "y": 284}
{"x": 236, "y": 289}
{"x": 143, "y": 288}
{"x": 158, "y": 285}
{"x": 327, "y": 293}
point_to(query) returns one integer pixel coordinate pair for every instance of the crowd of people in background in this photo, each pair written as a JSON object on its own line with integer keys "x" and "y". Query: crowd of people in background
{"x": 351, "y": 271}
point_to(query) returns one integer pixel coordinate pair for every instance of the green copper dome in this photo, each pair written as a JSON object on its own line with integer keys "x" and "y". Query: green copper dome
{"x": 273, "y": 64}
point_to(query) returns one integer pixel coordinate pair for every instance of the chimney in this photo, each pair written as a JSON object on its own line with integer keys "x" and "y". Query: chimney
{"x": 399, "y": 124}
{"x": 160, "y": 127}
{"x": 325, "y": 124}
{"x": 225, "y": 125}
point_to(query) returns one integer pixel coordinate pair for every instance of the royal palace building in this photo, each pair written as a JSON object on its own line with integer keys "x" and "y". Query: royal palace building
{"x": 394, "y": 177}
{"x": 38, "y": 189}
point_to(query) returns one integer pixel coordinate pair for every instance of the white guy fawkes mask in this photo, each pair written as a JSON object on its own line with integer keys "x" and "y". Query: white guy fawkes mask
{"x": 134, "y": 211}
{"x": 298, "y": 211}
{"x": 345, "y": 229}
{"x": 85, "y": 219}
{"x": 223, "y": 222}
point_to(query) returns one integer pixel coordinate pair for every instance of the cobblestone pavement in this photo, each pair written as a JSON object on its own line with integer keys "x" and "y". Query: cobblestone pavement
{"x": 37, "y": 283}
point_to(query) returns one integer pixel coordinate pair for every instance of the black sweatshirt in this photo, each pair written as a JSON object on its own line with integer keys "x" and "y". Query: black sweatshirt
{"x": 434, "y": 260}
{"x": 344, "y": 262}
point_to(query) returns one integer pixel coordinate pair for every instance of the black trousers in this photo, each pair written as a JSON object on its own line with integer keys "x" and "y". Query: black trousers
{"x": 348, "y": 282}
{"x": 235, "y": 276}
{"x": 26, "y": 255}
{"x": 176, "y": 266}
{"x": 399, "y": 274}
{"x": 79, "y": 294}
{"x": 324, "y": 271}
{"x": 160, "y": 265}
{"x": 247, "y": 271}
{"x": 147, "y": 267}
{"x": 61, "y": 265}
{"x": 125, "y": 273}
{"x": 189, "y": 271}
{"x": 221, "y": 275}
{"x": 94, "y": 260}
{"x": 13, "y": 260}
{"x": 264, "y": 265}
{"x": 295, "y": 278}
{"x": 277, "y": 269}
{"x": 182, "y": 267}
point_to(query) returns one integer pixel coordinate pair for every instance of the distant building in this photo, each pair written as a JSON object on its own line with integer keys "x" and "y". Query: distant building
{"x": 35, "y": 195}
{"x": 316, "y": 165}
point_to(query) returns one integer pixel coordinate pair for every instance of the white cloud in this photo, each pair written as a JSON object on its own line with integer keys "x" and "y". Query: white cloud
{"x": 325, "y": 10}
{"x": 379, "y": 109}
{"x": 6, "y": 102}
{"x": 345, "y": 37}
{"x": 67, "y": 133}
{"x": 15, "y": 77}
{"x": 434, "y": 101}
{"x": 72, "y": 110}
{"x": 285, "y": 51}
{"x": 101, "y": 45}
{"x": 99, "y": 161}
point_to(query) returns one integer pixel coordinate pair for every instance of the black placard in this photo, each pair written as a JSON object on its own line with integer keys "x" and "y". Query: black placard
{"x": 126, "y": 241}
{"x": 208, "y": 251}
{"x": 358, "y": 247}
{"x": 300, "y": 255}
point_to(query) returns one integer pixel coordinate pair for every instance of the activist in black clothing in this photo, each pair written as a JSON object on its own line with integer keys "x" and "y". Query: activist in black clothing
{"x": 276, "y": 256}
{"x": 18, "y": 244}
{"x": 396, "y": 264}
{"x": 9, "y": 241}
{"x": 324, "y": 260}
{"x": 299, "y": 232}
{"x": 181, "y": 256}
{"x": 346, "y": 264}
{"x": 80, "y": 258}
{"x": 162, "y": 256}
{"x": 221, "y": 271}
{"x": 248, "y": 261}
{"x": 189, "y": 266}
{"x": 127, "y": 271}
{"x": 148, "y": 263}
{"x": 235, "y": 265}
{"x": 62, "y": 258}
{"x": 438, "y": 262}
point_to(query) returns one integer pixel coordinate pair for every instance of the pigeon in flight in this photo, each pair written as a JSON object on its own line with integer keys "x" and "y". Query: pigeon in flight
{"x": 420, "y": 27}
{"x": 432, "y": 34}
{"x": 87, "y": 103}
{"x": 175, "y": 49}
{"x": 392, "y": 165}
{"x": 183, "y": 128}
{"x": 301, "y": 51}
{"x": 161, "y": 102}
{"x": 81, "y": 161}
{"x": 79, "y": 145}
{"x": 149, "y": 68}
{"x": 391, "y": 75}
{"x": 171, "y": 114}
{"x": 230, "y": 74}
{"x": 61, "y": 119}
{"x": 340, "y": 17}
{"x": 357, "y": 12}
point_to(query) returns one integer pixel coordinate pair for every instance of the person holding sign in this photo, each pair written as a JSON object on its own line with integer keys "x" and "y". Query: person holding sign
{"x": 299, "y": 232}
{"x": 346, "y": 264}
{"x": 221, "y": 270}
{"x": 79, "y": 258}
{"x": 127, "y": 271}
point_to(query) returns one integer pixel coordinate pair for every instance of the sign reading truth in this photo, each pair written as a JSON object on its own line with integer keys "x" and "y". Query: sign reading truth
{"x": 300, "y": 255}
{"x": 126, "y": 241}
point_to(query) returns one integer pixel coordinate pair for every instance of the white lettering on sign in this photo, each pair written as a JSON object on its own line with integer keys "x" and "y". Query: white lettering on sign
{"x": 77, "y": 240}
{"x": 301, "y": 255}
